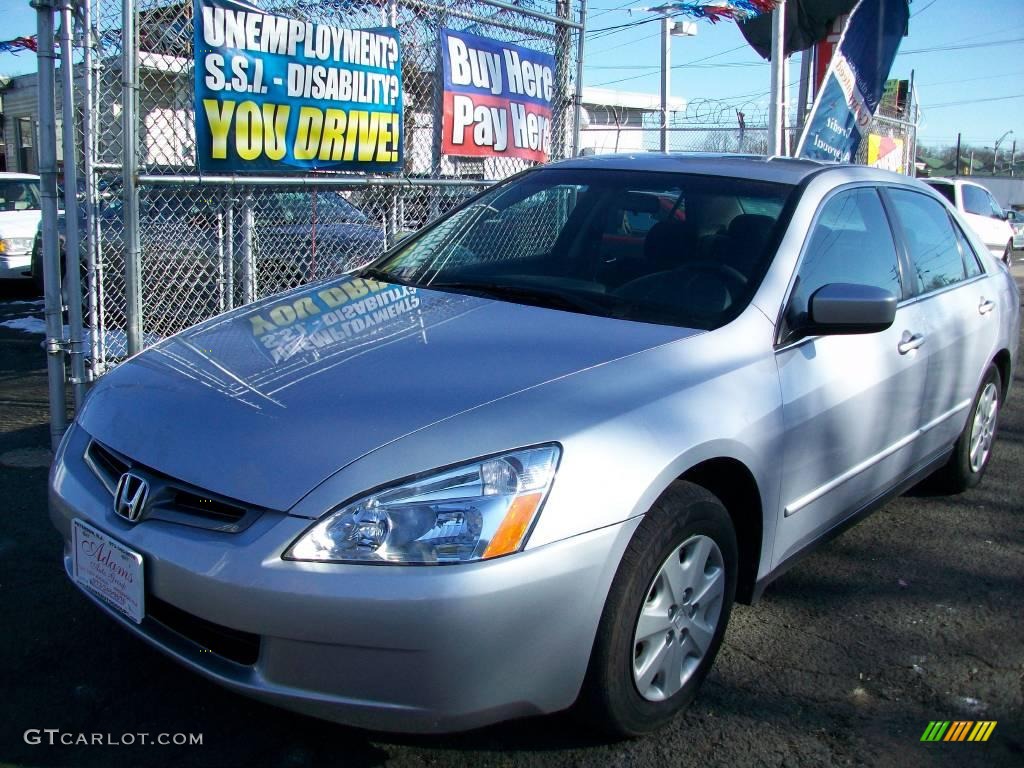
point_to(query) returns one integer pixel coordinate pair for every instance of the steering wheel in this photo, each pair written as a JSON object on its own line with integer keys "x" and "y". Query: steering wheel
{"x": 679, "y": 280}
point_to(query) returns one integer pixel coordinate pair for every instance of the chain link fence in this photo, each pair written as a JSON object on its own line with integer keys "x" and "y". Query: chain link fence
{"x": 710, "y": 125}
{"x": 208, "y": 243}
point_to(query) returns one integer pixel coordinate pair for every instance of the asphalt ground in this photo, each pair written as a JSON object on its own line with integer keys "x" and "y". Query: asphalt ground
{"x": 914, "y": 615}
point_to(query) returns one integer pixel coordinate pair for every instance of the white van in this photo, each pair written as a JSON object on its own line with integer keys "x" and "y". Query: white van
{"x": 20, "y": 211}
{"x": 981, "y": 211}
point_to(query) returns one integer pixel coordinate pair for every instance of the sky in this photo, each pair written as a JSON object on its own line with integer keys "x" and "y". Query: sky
{"x": 976, "y": 89}
{"x": 970, "y": 82}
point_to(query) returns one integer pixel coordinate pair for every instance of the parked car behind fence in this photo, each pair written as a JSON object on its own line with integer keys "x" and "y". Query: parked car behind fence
{"x": 192, "y": 268}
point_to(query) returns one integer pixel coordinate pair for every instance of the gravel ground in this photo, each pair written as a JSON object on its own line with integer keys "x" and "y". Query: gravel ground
{"x": 913, "y": 615}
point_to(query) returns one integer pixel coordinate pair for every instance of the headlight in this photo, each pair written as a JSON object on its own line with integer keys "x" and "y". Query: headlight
{"x": 15, "y": 245}
{"x": 473, "y": 511}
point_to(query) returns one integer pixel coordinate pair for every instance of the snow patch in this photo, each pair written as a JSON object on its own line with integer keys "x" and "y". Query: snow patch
{"x": 26, "y": 325}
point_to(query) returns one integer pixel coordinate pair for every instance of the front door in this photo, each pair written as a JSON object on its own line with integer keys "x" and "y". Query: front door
{"x": 851, "y": 403}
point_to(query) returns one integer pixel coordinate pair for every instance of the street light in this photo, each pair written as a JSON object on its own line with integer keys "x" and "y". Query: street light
{"x": 668, "y": 29}
{"x": 995, "y": 157}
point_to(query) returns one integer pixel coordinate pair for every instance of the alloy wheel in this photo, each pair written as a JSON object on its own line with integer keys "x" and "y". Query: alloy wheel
{"x": 984, "y": 427}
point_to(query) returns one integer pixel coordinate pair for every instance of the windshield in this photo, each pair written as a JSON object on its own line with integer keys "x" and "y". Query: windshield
{"x": 19, "y": 195}
{"x": 653, "y": 247}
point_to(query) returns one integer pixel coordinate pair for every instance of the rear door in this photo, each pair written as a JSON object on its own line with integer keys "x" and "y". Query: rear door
{"x": 851, "y": 404}
{"x": 959, "y": 311}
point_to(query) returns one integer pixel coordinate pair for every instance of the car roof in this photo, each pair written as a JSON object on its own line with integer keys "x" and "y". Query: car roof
{"x": 786, "y": 170}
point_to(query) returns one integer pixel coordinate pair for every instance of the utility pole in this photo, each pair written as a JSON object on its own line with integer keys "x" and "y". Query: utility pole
{"x": 1013, "y": 156}
{"x": 995, "y": 156}
{"x": 666, "y": 74}
{"x": 956, "y": 169}
{"x": 777, "y": 111}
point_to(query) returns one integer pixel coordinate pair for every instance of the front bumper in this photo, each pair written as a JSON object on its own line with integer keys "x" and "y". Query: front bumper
{"x": 402, "y": 648}
{"x": 14, "y": 265}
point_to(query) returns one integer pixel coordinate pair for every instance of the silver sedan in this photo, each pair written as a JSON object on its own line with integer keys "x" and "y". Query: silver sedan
{"x": 531, "y": 457}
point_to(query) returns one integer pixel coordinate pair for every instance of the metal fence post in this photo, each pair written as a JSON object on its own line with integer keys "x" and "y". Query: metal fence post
{"x": 229, "y": 252}
{"x": 48, "y": 193}
{"x": 72, "y": 245}
{"x": 248, "y": 259}
{"x": 129, "y": 141}
{"x": 578, "y": 107}
{"x": 220, "y": 260}
{"x": 89, "y": 123}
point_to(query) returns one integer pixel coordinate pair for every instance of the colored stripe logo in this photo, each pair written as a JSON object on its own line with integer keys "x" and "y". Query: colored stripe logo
{"x": 958, "y": 730}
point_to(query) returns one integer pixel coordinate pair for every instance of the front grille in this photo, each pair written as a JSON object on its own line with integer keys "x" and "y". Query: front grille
{"x": 170, "y": 500}
{"x": 231, "y": 644}
{"x": 107, "y": 465}
{"x": 194, "y": 504}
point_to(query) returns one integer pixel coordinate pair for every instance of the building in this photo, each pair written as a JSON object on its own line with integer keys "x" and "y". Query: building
{"x": 614, "y": 121}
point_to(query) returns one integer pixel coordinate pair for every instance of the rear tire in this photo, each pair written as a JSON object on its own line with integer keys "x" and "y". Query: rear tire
{"x": 973, "y": 449}
{"x": 665, "y": 615}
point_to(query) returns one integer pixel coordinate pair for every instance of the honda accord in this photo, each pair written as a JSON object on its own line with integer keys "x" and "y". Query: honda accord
{"x": 530, "y": 457}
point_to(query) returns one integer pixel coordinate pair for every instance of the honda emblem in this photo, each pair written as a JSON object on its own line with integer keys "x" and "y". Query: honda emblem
{"x": 130, "y": 496}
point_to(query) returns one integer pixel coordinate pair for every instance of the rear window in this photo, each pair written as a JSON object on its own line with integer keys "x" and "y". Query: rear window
{"x": 946, "y": 190}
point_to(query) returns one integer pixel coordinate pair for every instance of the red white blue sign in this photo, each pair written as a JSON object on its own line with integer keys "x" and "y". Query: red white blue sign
{"x": 497, "y": 98}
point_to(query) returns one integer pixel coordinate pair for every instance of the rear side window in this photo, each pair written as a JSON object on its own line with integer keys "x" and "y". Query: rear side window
{"x": 851, "y": 243}
{"x": 930, "y": 239}
{"x": 971, "y": 262}
{"x": 978, "y": 201}
{"x": 946, "y": 190}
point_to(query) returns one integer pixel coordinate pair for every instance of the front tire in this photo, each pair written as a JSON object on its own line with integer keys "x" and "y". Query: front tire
{"x": 665, "y": 615}
{"x": 1008, "y": 254}
{"x": 973, "y": 449}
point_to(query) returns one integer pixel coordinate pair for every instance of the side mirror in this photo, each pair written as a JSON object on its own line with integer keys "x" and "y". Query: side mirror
{"x": 847, "y": 308}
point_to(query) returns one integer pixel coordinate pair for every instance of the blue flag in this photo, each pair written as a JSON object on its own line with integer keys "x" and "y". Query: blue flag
{"x": 855, "y": 81}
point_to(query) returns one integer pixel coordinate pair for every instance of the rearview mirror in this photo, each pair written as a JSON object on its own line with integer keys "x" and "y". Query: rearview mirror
{"x": 847, "y": 308}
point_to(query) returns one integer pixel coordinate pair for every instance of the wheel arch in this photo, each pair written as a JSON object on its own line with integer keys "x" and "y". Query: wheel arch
{"x": 1004, "y": 365}
{"x": 735, "y": 486}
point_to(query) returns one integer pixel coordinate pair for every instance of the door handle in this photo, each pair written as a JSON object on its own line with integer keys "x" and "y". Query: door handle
{"x": 910, "y": 342}
{"x": 985, "y": 306}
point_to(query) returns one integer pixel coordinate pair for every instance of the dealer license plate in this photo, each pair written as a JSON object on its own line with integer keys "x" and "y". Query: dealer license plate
{"x": 109, "y": 570}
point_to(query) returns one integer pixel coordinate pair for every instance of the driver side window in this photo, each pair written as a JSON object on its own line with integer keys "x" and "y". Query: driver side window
{"x": 851, "y": 243}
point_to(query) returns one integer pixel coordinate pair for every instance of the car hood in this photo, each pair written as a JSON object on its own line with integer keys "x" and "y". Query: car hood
{"x": 266, "y": 402}
{"x": 19, "y": 223}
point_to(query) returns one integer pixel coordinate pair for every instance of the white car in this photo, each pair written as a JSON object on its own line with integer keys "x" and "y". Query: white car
{"x": 1017, "y": 223}
{"x": 981, "y": 211}
{"x": 20, "y": 211}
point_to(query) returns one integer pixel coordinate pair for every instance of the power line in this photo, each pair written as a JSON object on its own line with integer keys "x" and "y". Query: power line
{"x": 918, "y": 13}
{"x": 938, "y": 48}
{"x": 970, "y": 79}
{"x": 603, "y": 11}
{"x": 623, "y": 45}
{"x": 677, "y": 66}
{"x": 973, "y": 101}
{"x": 695, "y": 66}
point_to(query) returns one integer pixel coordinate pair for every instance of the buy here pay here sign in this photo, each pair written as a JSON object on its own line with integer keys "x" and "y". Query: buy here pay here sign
{"x": 497, "y": 98}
